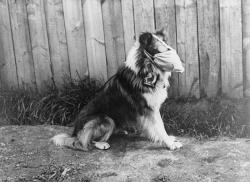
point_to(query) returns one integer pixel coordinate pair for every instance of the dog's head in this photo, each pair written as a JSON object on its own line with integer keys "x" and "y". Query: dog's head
{"x": 151, "y": 55}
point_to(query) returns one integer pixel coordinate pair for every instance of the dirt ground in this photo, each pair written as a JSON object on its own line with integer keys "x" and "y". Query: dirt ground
{"x": 27, "y": 155}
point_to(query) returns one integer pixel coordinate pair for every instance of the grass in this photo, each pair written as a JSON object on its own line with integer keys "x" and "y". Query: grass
{"x": 206, "y": 117}
{"x": 193, "y": 117}
{"x": 53, "y": 107}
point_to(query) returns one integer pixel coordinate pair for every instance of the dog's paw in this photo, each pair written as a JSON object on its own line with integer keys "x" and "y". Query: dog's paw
{"x": 101, "y": 145}
{"x": 175, "y": 145}
{"x": 172, "y": 138}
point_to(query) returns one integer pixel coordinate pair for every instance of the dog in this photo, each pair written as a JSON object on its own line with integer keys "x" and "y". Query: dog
{"x": 133, "y": 96}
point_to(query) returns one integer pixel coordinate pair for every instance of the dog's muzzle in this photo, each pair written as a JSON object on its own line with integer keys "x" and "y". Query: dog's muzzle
{"x": 168, "y": 60}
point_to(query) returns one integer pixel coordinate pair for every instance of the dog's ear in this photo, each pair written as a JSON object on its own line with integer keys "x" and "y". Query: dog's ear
{"x": 162, "y": 34}
{"x": 145, "y": 39}
{"x": 150, "y": 77}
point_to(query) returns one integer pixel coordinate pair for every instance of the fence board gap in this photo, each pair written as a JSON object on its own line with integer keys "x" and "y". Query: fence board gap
{"x": 57, "y": 40}
{"x": 22, "y": 46}
{"x": 246, "y": 45}
{"x": 209, "y": 46}
{"x": 39, "y": 43}
{"x": 128, "y": 24}
{"x": 231, "y": 48}
{"x": 143, "y": 16}
{"x": 95, "y": 39}
{"x": 187, "y": 46}
{"x": 75, "y": 34}
{"x": 113, "y": 33}
{"x": 8, "y": 72}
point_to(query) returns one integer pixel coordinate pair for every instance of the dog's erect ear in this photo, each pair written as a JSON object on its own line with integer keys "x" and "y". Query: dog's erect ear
{"x": 145, "y": 39}
{"x": 162, "y": 34}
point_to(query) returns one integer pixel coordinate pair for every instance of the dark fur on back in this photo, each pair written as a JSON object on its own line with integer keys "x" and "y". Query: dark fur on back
{"x": 121, "y": 97}
{"x": 132, "y": 97}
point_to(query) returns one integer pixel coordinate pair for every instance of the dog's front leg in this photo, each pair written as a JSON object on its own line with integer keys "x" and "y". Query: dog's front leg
{"x": 156, "y": 131}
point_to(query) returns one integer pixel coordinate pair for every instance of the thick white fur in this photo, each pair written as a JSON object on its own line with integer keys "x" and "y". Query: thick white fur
{"x": 153, "y": 125}
{"x": 155, "y": 130}
{"x": 63, "y": 139}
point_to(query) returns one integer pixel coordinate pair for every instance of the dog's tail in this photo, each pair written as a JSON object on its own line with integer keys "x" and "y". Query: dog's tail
{"x": 63, "y": 139}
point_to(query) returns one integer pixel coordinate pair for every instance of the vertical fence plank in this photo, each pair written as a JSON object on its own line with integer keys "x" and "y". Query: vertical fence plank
{"x": 113, "y": 33}
{"x": 39, "y": 43}
{"x": 95, "y": 39}
{"x": 187, "y": 45}
{"x": 209, "y": 46}
{"x": 143, "y": 16}
{"x": 22, "y": 46}
{"x": 57, "y": 40}
{"x": 8, "y": 72}
{"x": 246, "y": 45}
{"x": 231, "y": 48}
{"x": 165, "y": 18}
{"x": 75, "y": 38}
{"x": 128, "y": 24}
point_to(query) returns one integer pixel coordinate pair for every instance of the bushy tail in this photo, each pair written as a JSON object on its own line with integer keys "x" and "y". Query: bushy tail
{"x": 63, "y": 139}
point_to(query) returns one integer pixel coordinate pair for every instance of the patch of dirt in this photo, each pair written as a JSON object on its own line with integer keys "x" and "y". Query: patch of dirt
{"x": 27, "y": 155}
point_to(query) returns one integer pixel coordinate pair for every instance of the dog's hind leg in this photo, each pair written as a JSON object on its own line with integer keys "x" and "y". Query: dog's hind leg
{"x": 106, "y": 129}
{"x": 86, "y": 135}
{"x": 97, "y": 130}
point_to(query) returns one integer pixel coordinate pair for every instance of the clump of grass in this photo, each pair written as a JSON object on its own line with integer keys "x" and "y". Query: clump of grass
{"x": 204, "y": 118}
{"x": 56, "y": 106}
{"x": 192, "y": 117}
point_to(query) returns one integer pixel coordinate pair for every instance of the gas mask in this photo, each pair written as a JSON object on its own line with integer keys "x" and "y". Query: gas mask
{"x": 167, "y": 60}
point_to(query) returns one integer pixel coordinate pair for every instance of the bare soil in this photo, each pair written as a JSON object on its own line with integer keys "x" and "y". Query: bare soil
{"x": 27, "y": 155}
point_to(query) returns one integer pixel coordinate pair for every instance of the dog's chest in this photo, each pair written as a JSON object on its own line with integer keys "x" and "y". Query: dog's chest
{"x": 156, "y": 97}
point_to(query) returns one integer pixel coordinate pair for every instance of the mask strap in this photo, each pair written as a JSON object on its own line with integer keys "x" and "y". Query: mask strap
{"x": 166, "y": 45}
{"x": 149, "y": 56}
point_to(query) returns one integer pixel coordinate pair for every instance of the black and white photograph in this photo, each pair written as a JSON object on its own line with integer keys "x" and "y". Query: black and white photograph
{"x": 124, "y": 90}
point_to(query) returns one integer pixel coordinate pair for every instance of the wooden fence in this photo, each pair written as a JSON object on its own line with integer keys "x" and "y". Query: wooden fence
{"x": 43, "y": 41}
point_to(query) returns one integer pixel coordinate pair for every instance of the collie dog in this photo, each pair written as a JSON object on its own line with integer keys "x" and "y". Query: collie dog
{"x": 133, "y": 96}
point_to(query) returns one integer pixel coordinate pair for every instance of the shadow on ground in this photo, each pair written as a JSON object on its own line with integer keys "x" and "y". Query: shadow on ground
{"x": 27, "y": 155}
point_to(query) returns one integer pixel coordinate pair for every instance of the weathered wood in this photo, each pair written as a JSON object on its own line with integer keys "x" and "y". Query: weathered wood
{"x": 143, "y": 16}
{"x": 8, "y": 72}
{"x": 246, "y": 45}
{"x": 39, "y": 43}
{"x": 57, "y": 40}
{"x": 165, "y": 19}
{"x": 128, "y": 24}
{"x": 187, "y": 46}
{"x": 95, "y": 39}
{"x": 209, "y": 46}
{"x": 76, "y": 40}
{"x": 113, "y": 32}
{"x": 22, "y": 46}
{"x": 231, "y": 48}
